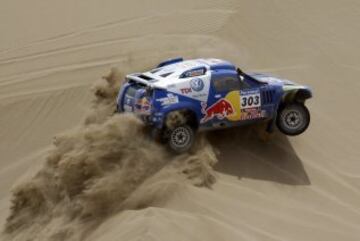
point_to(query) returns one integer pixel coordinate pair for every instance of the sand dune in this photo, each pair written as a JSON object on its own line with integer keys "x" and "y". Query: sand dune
{"x": 82, "y": 187}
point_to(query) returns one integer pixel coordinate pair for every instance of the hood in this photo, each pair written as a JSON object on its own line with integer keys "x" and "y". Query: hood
{"x": 270, "y": 79}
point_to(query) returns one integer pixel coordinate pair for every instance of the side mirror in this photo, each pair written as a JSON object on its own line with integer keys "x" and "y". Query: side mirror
{"x": 239, "y": 71}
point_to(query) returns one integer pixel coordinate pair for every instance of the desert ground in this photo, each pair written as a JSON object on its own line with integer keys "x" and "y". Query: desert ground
{"x": 71, "y": 171}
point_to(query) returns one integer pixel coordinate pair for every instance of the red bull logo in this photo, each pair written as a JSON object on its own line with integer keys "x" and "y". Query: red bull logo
{"x": 221, "y": 109}
{"x": 143, "y": 105}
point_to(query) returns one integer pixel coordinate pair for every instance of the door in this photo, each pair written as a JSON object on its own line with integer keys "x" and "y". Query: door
{"x": 232, "y": 102}
{"x": 223, "y": 106}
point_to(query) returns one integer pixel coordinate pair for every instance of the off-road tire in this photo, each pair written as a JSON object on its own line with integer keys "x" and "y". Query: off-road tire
{"x": 181, "y": 138}
{"x": 293, "y": 119}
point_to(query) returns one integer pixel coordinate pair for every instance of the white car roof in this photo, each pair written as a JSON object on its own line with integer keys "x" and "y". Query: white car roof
{"x": 170, "y": 74}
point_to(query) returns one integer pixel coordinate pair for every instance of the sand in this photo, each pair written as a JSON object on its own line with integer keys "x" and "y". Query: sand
{"x": 71, "y": 171}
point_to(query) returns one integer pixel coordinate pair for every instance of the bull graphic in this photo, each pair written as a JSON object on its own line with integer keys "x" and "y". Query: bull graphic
{"x": 220, "y": 109}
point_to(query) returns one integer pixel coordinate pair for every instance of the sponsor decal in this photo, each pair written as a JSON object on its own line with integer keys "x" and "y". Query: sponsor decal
{"x": 170, "y": 99}
{"x": 250, "y": 113}
{"x": 250, "y": 105}
{"x": 235, "y": 106}
{"x": 199, "y": 95}
{"x": 197, "y": 84}
{"x": 250, "y": 99}
{"x": 220, "y": 109}
{"x": 185, "y": 90}
{"x": 143, "y": 106}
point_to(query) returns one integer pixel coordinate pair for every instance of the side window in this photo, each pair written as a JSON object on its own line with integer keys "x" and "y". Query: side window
{"x": 193, "y": 72}
{"x": 227, "y": 84}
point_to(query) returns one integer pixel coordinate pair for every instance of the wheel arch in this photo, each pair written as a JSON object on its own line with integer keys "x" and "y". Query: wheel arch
{"x": 298, "y": 95}
{"x": 181, "y": 114}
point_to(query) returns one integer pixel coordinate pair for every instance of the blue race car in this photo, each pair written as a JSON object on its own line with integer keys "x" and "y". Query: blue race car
{"x": 180, "y": 97}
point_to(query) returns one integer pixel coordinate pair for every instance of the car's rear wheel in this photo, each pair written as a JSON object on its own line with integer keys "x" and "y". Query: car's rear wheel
{"x": 181, "y": 138}
{"x": 293, "y": 119}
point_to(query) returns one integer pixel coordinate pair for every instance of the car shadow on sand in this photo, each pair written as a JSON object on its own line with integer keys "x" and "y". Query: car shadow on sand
{"x": 243, "y": 153}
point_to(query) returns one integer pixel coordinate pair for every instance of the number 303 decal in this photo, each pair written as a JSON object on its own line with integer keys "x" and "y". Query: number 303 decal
{"x": 250, "y": 101}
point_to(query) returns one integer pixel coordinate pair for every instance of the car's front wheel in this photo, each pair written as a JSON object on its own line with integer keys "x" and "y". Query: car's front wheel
{"x": 181, "y": 138}
{"x": 293, "y": 119}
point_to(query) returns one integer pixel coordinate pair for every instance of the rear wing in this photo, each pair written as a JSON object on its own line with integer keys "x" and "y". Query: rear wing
{"x": 136, "y": 78}
{"x": 139, "y": 78}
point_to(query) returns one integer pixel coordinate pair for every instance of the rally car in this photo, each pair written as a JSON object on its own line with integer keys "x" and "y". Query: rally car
{"x": 181, "y": 97}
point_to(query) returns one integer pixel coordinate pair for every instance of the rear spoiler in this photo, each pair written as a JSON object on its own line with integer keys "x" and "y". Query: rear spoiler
{"x": 136, "y": 78}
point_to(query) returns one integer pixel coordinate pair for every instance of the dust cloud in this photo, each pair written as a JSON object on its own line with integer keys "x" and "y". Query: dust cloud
{"x": 101, "y": 168}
